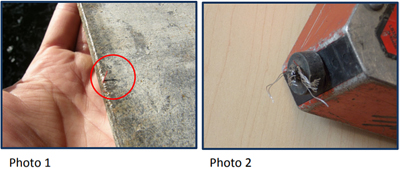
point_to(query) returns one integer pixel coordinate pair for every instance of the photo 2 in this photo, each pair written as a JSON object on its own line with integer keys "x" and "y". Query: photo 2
{"x": 99, "y": 75}
{"x": 299, "y": 76}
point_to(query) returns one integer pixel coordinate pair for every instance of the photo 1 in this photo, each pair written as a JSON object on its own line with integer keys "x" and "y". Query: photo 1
{"x": 99, "y": 75}
{"x": 299, "y": 76}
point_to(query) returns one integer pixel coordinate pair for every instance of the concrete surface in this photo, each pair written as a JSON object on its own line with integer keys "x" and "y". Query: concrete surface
{"x": 159, "y": 40}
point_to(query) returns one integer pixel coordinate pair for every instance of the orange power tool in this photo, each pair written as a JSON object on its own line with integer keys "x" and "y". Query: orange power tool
{"x": 344, "y": 66}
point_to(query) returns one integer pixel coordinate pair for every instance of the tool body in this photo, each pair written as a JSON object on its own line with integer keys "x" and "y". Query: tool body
{"x": 348, "y": 53}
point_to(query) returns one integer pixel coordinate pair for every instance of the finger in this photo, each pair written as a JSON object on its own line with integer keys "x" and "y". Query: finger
{"x": 81, "y": 43}
{"x": 63, "y": 28}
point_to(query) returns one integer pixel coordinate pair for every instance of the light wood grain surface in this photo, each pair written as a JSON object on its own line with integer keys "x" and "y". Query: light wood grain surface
{"x": 245, "y": 47}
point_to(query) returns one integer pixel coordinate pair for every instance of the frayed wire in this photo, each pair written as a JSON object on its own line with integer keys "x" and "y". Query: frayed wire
{"x": 313, "y": 86}
{"x": 304, "y": 80}
{"x": 268, "y": 88}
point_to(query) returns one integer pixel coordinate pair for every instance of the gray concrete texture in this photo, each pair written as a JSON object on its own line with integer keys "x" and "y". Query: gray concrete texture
{"x": 159, "y": 40}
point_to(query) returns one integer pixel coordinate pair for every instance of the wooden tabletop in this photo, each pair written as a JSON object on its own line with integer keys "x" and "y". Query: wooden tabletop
{"x": 245, "y": 46}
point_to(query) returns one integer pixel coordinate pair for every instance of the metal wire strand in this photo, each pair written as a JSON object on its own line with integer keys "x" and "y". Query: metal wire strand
{"x": 326, "y": 104}
{"x": 268, "y": 88}
{"x": 313, "y": 86}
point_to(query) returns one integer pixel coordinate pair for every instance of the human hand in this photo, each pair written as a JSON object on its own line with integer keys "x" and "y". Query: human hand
{"x": 54, "y": 104}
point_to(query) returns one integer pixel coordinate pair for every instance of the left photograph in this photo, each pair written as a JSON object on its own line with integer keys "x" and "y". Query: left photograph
{"x": 99, "y": 75}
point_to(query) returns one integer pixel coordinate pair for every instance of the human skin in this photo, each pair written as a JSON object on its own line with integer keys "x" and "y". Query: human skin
{"x": 54, "y": 104}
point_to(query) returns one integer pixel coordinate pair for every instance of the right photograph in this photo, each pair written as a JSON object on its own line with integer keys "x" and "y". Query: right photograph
{"x": 300, "y": 75}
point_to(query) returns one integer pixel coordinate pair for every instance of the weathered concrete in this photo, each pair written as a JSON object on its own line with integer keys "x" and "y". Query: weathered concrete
{"x": 159, "y": 40}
